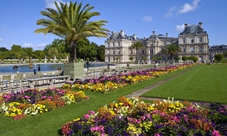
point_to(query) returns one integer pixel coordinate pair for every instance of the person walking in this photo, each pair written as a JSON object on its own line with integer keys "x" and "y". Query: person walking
{"x": 35, "y": 70}
{"x": 39, "y": 68}
{"x": 87, "y": 64}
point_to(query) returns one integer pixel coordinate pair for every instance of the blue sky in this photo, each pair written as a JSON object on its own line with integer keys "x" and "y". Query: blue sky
{"x": 18, "y": 19}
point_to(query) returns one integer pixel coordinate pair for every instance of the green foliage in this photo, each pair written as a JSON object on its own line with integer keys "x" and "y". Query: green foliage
{"x": 172, "y": 50}
{"x": 3, "y": 49}
{"x": 101, "y": 53}
{"x": 218, "y": 57}
{"x": 72, "y": 21}
{"x": 137, "y": 45}
{"x": 184, "y": 58}
{"x": 193, "y": 58}
{"x": 131, "y": 58}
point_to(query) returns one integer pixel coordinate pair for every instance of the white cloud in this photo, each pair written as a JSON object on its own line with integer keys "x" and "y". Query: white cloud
{"x": 147, "y": 18}
{"x": 42, "y": 45}
{"x": 169, "y": 13}
{"x": 1, "y": 39}
{"x": 180, "y": 28}
{"x": 187, "y": 7}
{"x": 50, "y": 3}
{"x": 28, "y": 45}
{"x": 182, "y": 9}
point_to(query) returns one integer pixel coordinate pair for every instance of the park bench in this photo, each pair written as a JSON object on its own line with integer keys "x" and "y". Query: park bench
{"x": 33, "y": 81}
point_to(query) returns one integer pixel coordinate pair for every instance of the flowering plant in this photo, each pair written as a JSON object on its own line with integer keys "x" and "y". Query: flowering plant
{"x": 131, "y": 116}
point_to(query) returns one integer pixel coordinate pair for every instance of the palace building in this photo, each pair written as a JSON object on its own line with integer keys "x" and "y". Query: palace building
{"x": 193, "y": 42}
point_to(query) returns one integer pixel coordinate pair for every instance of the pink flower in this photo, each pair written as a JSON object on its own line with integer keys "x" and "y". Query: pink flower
{"x": 215, "y": 133}
{"x": 86, "y": 116}
{"x": 143, "y": 117}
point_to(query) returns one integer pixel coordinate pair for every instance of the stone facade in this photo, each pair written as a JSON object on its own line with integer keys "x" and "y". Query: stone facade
{"x": 217, "y": 49}
{"x": 193, "y": 41}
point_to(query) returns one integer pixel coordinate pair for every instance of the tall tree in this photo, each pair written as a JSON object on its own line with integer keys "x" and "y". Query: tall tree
{"x": 3, "y": 49}
{"x": 137, "y": 45}
{"x": 72, "y": 22}
{"x": 172, "y": 50}
{"x": 52, "y": 52}
{"x": 16, "y": 51}
{"x": 59, "y": 44}
{"x": 101, "y": 53}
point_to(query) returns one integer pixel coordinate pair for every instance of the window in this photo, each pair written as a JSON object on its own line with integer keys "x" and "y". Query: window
{"x": 119, "y": 51}
{"x": 200, "y": 49}
{"x": 183, "y": 49}
{"x": 108, "y": 52}
{"x": 151, "y": 51}
{"x": 192, "y": 49}
{"x": 184, "y": 40}
{"x": 200, "y": 39}
{"x": 131, "y": 51}
{"x": 108, "y": 44}
{"x": 113, "y": 52}
{"x": 119, "y": 44}
{"x": 113, "y": 44}
{"x": 142, "y": 51}
{"x": 192, "y": 40}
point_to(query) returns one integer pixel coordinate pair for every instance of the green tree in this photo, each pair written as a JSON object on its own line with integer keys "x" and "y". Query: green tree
{"x": 59, "y": 44}
{"x": 137, "y": 45}
{"x": 83, "y": 49}
{"x": 3, "y": 49}
{"x": 28, "y": 52}
{"x": 17, "y": 51}
{"x": 131, "y": 58}
{"x": 52, "y": 52}
{"x": 193, "y": 58}
{"x": 184, "y": 58}
{"x": 101, "y": 53}
{"x": 39, "y": 54}
{"x": 72, "y": 22}
{"x": 117, "y": 58}
{"x": 218, "y": 57}
{"x": 172, "y": 50}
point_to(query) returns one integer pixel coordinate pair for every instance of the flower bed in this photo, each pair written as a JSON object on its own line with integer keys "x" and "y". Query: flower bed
{"x": 33, "y": 101}
{"x": 105, "y": 84}
{"x": 131, "y": 116}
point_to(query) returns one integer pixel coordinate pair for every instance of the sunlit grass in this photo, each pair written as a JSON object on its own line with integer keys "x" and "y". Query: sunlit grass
{"x": 205, "y": 83}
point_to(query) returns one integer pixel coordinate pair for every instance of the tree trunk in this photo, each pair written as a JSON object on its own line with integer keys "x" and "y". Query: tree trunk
{"x": 72, "y": 52}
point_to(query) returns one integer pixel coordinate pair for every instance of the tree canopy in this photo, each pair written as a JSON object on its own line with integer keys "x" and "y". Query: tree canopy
{"x": 172, "y": 50}
{"x": 72, "y": 22}
{"x": 137, "y": 45}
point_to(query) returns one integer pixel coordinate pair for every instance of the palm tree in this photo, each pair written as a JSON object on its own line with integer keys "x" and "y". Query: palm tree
{"x": 137, "y": 45}
{"x": 71, "y": 22}
{"x": 172, "y": 50}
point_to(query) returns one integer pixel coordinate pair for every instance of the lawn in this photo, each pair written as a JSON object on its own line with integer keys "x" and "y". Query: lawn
{"x": 50, "y": 123}
{"x": 206, "y": 83}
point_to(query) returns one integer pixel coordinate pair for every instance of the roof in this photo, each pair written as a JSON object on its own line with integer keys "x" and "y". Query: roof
{"x": 193, "y": 29}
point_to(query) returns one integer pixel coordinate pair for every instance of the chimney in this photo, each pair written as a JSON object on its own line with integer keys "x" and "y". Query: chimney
{"x": 201, "y": 24}
{"x": 134, "y": 35}
{"x": 122, "y": 33}
{"x": 153, "y": 32}
{"x": 144, "y": 38}
{"x": 166, "y": 34}
{"x": 185, "y": 25}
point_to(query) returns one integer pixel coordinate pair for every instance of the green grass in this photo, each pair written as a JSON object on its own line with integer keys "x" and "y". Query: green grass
{"x": 48, "y": 124}
{"x": 205, "y": 83}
